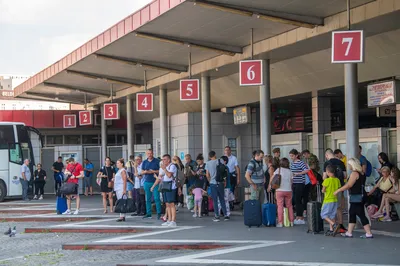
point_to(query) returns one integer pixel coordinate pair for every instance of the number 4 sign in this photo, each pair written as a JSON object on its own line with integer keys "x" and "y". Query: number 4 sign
{"x": 69, "y": 121}
{"x": 85, "y": 118}
{"x": 111, "y": 111}
{"x": 251, "y": 72}
{"x": 348, "y": 46}
{"x": 189, "y": 89}
{"x": 144, "y": 102}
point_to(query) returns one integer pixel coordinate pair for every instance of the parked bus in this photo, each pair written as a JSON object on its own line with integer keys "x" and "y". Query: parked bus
{"x": 17, "y": 143}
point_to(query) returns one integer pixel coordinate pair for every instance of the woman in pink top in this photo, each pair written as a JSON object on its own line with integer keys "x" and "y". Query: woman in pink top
{"x": 284, "y": 192}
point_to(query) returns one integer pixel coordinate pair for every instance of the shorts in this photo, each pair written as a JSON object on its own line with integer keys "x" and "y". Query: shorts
{"x": 129, "y": 186}
{"x": 329, "y": 210}
{"x": 198, "y": 202}
{"x": 169, "y": 197}
{"x": 87, "y": 181}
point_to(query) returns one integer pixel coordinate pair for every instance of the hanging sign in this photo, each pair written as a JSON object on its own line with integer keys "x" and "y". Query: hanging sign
{"x": 69, "y": 121}
{"x": 111, "y": 111}
{"x": 85, "y": 118}
{"x": 251, "y": 72}
{"x": 241, "y": 115}
{"x": 381, "y": 94}
{"x": 348, "y": 46}
{"x": 189, "y": 89}
{"x": 144, "y": 102}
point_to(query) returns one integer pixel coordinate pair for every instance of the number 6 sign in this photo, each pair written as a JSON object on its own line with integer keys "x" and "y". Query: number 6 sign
{"x": 85, "y": 118}
{"x": 144, "y": 102}
{"x": 111, "y": 111}
{"x": 251, "y": 72}
{"x": 348, "y": 46}
{"x": 189, "y": 89}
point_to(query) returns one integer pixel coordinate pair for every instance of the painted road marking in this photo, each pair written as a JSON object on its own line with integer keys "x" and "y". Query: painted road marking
{"x": 122, "y": 226}
{"x": 382, "y": 233}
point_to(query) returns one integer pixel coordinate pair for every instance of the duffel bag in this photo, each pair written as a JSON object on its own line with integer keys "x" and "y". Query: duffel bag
{"x": 69, "y": 189}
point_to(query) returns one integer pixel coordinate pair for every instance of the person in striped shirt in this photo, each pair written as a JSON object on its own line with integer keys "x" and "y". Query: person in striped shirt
{"x": 299, "y": 170}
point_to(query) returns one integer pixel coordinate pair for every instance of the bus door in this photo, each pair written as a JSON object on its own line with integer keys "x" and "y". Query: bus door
{"x": 14, "y": 169}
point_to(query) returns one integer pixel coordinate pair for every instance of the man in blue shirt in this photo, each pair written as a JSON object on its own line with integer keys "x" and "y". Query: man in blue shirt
{"x": 150, "y": 168}
{"x": 363, "y": 159}
{"x": 87, "y": 179}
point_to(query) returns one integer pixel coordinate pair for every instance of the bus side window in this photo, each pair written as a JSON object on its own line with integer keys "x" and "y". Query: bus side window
{"x": 15, "y": 153}
{"x": 6, "y": 136}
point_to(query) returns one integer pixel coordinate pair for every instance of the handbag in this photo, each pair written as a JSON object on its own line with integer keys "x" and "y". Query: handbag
{"x": 165, "y": 186}
{"x": 356, "y": 198}
{"x": 122, "y": 205}
{"x": 69, "y": 189}
{"x": 276, "y": 180}
{"x": 312, "y": 177}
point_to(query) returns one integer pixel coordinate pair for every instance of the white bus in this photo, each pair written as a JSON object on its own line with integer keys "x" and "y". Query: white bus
{"x": 17, "y": 143}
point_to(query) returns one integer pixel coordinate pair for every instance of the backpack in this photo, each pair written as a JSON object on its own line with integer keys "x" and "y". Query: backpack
{"x": 339, "y": 174}
{"x": 369, "y": 169}
{"x": 222, "y": 172}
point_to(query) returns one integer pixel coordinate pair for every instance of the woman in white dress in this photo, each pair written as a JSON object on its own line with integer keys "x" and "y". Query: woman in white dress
{"x": 120, "y": 184}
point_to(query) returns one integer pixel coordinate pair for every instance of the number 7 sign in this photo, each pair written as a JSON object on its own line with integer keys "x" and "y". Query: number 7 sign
{"x": 348, "y": 46}
{"x": 144, "y": 102}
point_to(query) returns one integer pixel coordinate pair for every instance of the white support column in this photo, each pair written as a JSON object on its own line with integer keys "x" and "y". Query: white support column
{"x": 163, "y": 121}
{"x": 265, "y": 110}
{"x": 130, "y": 128}
{"x": 321, "y": 124}
{"x": 206, "y": 114}
{"x": 351, "y": 106}
{"x": 103, "y": 136}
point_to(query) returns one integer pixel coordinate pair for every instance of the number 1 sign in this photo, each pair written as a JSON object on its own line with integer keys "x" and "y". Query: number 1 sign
{"x": 144, "y": 102}
{"x": 69, "y": 121}
{"x": 348, "y": 46}
{"x": 251, "y": 72}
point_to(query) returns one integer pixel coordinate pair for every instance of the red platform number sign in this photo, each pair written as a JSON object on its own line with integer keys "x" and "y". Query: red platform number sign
{"x": 85, "y": 118}
{"x": 69, "y": 121}
{"x": 111, "y": 111}
{"x": 251, "y": 72}
{"x": 347, "y": 46}
{"x": 189, "y": 89}
{"x": 144, "y": 102}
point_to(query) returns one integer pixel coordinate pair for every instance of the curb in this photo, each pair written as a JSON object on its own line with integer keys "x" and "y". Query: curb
{"x": 141, "y": 247}
{"x": 85, "y": 230}
{"x": 43, "y": 219}
{"x": 26, "y": 211}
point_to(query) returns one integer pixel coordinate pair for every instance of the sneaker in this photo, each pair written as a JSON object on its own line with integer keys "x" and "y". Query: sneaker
{"x": 377, "y": 215}
{"x": 329, "y": 233}
{"x": 41, "y": 197}
{"x": 226, "y": 218}
{"x": 147, "y": 217}
{"x": 385, "y": 219}
{"x": 134, "y": 214}
{"x": 191, "y": 210}
{"x": 172, "y": 224}
{"x": 67, "y": 212}
{"x": 279, "y": 225}
{"x": 367, "y": 236}
{"x": 166, "y": 223}
{"x": 299, "y": 222}
{"x": 76, "y": 212}
{"x": 347, "y": 235}
{"x": 35, "y": 197}
{"x": 195, "y": 215}
{"x": 179, "y": 205}
{"x": 216, "y": 219}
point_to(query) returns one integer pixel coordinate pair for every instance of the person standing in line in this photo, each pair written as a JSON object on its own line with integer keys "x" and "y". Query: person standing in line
{"x": 277, "y": 155}
{"x": 299, "y": 170}
{"x": 106, "y": 174}
{"x": 233, "y": 166}
{"x": 190, "y": 174}
{"x": 139, "y": 190}
{"x": 40, "y": 180}
{"x": 87, "y": 180}
{"x": 120, "y": 184}
{"x": 58, "y": 168}
{"x": 255, "y": 177}
{"x": 339, "y": 154}
{"x": 74, "y": 172}
{"x": 269, "y": 170}
{"x": 180, "y": 179}
{"x": 227, "y": 188}
{"x": 130, "y": 170}
{"x": 150, "y": 167}
{"x": 25, "y": 178}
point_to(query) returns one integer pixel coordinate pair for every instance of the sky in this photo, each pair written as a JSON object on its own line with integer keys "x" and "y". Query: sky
{"x": 36, "y": 33}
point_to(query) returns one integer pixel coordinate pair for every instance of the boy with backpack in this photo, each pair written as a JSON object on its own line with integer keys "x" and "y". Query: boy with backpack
{"x": 330, "y": 205}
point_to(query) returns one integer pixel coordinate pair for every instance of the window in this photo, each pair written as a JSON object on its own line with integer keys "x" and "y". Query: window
{"x": 111, "y": 140}
{"x": 90, "y": 139}
{"x": 54, "y": 140}
{"x": 121, "y": 139}
{"x": 73, "y": 139}
{"x": 6, "y": 136}
{"x": 138, "y": 137}
{"x": 232, "y": 142}
{"x": 15, "y": 154}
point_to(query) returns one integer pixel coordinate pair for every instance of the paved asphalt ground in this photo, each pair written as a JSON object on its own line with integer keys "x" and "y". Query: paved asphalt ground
{"x": 200, "y": 241}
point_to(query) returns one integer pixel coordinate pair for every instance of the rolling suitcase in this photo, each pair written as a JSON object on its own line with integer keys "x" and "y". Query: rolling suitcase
{"x": 210, "y": 204}
{"x": 252, "y": 213}
{"x": 314, "y": 220}
{"x": 61, "y": 203}
{"x": 204, "y": 206}
{"x": 269, "y": 211}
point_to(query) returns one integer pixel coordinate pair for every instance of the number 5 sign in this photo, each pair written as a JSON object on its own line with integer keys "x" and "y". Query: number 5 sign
{"x": 144, "y": 102}
{"x": 69, "y": 121}
{"x": 111, "y": 111}
{"x": 251, "y": 72}
{"x": 189, "y": 89}
{"x": 85, "y": 118}
{"x": 348, "y": 46}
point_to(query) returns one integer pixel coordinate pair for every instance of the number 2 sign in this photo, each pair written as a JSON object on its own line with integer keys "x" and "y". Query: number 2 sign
{"x": 85, "y": 118}
{"x": 189, "y": 89}
{"x": 144, "y": 102}
{"x": 111, "y": 111}
{"x": 69, "y": 121}
{"x": 348, "y": 46}
{"x": 251, "y": 72}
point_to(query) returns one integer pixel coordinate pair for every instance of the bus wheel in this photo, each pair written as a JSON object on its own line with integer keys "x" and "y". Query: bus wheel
{"x": 3, "y": 191}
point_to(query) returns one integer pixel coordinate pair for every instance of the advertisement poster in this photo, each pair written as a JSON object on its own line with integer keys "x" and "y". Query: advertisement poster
{"x": 381, "y": 94}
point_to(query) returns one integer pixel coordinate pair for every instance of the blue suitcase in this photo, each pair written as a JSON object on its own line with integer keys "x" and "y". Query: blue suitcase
{"x": 61, "y": 205}
{"x": 252, "y": 213}
{"x": 269, "y": 212}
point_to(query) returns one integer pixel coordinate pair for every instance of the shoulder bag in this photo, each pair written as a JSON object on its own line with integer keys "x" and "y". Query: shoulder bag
{"x": 276, "y": 180}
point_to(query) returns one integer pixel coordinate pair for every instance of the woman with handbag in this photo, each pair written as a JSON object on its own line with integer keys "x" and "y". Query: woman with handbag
{"x": 120, "y": 180}
{"x": 106, "y": 175}
{"x": 167, "y": 178}
{"x": 355, "y": 186}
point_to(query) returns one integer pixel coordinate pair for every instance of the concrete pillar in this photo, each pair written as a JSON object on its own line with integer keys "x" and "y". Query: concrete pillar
{"x": 163, "y": 121}
{"x": 321, "y": 124}
{"x": 351, "y": 107}
{"x": 103, "y": 136}
{"x": 206, "y": 114}
{"x": 130, "y": 128}
{"x": 265, "y": 110}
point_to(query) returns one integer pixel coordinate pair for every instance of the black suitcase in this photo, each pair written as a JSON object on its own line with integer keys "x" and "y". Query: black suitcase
{"x": 204, "y": 206}
{"x": 314, "y": 220}
{"x": 252, "y": 213}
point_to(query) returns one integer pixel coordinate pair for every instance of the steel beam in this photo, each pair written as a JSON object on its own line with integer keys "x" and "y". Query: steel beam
{"x": 145, "y": 64}
{"x": 218, "y": 48}
{"x": 76, "y": 89}
{"x": 106, "y": 78}
{"x": 279, "y": 17}
{"x": 42, "y": 97}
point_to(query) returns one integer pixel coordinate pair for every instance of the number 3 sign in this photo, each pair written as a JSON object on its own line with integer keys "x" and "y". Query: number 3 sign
{"x": 347, "y": 46}
{"x": 111, "y": 111}
{"x": 144, "y": 102}
{"x": 251, "y": 72}
{"x": 189, "y": 89}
